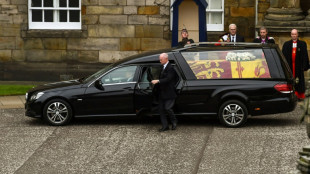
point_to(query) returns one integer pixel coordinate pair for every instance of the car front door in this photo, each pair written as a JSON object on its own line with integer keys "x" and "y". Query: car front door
{"x": 145, "y": 100}
{"x": 111, "y": 94}
{"x": 146, "y": 93}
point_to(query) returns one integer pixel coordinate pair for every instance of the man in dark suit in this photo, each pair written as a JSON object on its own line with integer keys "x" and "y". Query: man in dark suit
{"x": 232, "y": 36}
{"x": 166, "y": 92}
{"x": 296, "y": 54}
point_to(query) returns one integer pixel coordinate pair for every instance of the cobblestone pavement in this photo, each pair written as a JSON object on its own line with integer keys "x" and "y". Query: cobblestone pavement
{"x": 267, "y": 144}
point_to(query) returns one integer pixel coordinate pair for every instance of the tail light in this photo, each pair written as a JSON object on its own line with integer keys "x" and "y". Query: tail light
{"x": 284, "y": 88}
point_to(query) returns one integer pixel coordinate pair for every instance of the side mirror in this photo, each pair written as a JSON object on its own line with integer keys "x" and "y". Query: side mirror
{"x": 98, "y": 85}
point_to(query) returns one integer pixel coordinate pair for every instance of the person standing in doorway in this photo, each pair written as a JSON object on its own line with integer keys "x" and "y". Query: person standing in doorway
{"x": 185, "y": 40}
{"x": 296, "y": 54}
{"x": 166, "y": 92}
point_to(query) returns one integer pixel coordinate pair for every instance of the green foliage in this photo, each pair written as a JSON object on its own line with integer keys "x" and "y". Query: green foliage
{"x": 14, "y": 89}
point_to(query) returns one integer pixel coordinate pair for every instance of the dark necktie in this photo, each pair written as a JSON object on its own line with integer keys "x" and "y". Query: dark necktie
{"x": 162, "y": 70}
{"x": 233, "y": 39}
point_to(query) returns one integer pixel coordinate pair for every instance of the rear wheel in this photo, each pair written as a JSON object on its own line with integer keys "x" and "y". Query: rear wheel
{"x": 57, "y": 112}
{"x": 233, "y": 113}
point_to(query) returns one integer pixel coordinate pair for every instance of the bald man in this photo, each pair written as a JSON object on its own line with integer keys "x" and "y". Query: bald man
{"x": 296, "y": 54}
{"x": 167, "y": 92}
{"x": 232, "y": 36}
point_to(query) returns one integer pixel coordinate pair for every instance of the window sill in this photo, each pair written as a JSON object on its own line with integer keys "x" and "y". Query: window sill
{"x": 26, "y": 33}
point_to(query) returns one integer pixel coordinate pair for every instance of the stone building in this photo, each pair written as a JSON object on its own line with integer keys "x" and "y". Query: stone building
{"x": 50, "y": 40}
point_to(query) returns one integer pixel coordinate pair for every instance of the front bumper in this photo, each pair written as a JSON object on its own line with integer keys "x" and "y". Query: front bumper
{"x": 33, "y": 109}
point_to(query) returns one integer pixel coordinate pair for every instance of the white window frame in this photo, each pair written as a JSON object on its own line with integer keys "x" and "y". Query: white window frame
{"x": 54, "y": 25}
{"x": 215, "y": 27}
{"x": 210, "y": 27}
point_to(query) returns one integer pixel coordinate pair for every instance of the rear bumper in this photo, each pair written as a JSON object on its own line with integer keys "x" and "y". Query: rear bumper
{"x": 274, "y": 106}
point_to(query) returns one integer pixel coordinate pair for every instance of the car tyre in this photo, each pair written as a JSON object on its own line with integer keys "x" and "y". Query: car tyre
{"x": 233, "y": 113}
{"x": 57, "y": 112}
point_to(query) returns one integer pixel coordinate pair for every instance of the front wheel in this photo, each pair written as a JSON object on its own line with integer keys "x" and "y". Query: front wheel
{"x": 57, "y": 112}
{"x": 233, "y": 113}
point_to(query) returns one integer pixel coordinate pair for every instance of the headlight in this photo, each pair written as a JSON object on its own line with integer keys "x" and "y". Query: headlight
{"x": 36, "y": 96}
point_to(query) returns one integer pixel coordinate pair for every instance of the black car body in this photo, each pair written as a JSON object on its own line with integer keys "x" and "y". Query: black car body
{"x": 228, "y": 81}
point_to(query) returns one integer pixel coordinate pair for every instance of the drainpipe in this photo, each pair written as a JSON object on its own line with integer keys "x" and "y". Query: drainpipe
{"x": 256, "y": 16}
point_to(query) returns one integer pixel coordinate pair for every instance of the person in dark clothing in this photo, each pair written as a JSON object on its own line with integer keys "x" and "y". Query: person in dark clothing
{"x": 185, "y": 39}
{"x": 166, "y": 92}
{"x": 232, "y": 36}
{"x": 264, "y": 38}
{"x": 296, "y": 54}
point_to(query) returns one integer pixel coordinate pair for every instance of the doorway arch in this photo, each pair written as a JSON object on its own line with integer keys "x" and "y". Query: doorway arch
{"x": 182, "y": 14}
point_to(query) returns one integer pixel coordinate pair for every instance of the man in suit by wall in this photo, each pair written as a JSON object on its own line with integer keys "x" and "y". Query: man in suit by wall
{"x": 166, "y": 92}
{"x": 232, "y": 36}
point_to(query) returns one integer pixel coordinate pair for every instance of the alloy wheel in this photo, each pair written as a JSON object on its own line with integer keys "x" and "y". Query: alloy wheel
{"x": 233, "y": 114}
{"x": 57, "y": 112}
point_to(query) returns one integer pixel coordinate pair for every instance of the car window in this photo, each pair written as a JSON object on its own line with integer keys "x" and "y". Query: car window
{"x": 120, "y": 75}
{"x": 228, "y": 64}
{"x": 150, "y": 73}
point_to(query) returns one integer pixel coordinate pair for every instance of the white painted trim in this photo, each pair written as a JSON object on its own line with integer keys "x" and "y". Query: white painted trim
{"x": 215, "y": 27}
{"x": 54, "y": 25}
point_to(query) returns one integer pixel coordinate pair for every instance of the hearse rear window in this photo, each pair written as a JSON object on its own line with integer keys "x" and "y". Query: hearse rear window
{"x": 232, "y": 64}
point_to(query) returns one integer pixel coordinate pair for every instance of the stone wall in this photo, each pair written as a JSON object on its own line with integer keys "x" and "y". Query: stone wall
{"x": 111, "y": 30}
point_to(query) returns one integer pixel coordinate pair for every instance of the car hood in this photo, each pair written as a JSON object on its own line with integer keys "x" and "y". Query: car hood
{"x": 71, "y": 84}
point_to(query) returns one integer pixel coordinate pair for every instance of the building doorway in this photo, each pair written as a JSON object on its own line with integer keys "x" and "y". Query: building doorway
{"x": 189, "y": 19}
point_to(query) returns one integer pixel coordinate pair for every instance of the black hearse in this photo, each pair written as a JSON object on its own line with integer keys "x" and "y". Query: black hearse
{"x": 228, "y": 81}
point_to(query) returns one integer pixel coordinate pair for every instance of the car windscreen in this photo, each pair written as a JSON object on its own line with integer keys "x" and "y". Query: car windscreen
{"x": 228, "y": 64}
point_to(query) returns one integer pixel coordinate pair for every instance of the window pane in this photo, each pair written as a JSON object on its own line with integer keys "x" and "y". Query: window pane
{"x": 36, "y": 3}
{"x": 48, "y": 3}
{"x": 63, "y": 16}
{"x": 74, "y": 16}
{"x": 234, "y": 64}
{"x": 120, "y": 75}
{"x": 74, "y": 3}
{"x": 216, "y": 18}
{"x": 62, "y": 3}
{"x": 216, "y": 4}
{"x": 36, "y": 15}
{"x": 208, "y": 1}
{"x": 208, "y": 19}
{"x": 48, "y": 16}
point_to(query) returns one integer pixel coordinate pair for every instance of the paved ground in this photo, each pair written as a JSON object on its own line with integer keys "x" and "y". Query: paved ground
{"x": 11, "y": 102}
{"x": 267, "y": 144}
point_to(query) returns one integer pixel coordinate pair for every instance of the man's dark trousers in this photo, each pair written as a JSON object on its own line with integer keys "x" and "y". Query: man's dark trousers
{"x": 166, "y": 107}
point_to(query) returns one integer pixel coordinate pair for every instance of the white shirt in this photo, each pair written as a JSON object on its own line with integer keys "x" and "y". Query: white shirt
{"x": 165, "y": 65}
{"x": 233, "y": 38}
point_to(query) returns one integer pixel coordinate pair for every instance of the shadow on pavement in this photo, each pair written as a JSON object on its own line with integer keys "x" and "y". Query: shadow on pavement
{"x": 270, "y": 121}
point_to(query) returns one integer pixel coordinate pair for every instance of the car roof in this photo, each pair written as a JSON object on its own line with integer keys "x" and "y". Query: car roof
{"x": 199, "y": 46}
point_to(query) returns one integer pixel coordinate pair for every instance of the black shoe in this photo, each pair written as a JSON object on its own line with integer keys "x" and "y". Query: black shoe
{"x": 174, "y": 126}
{"x": 163, "y": 129}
